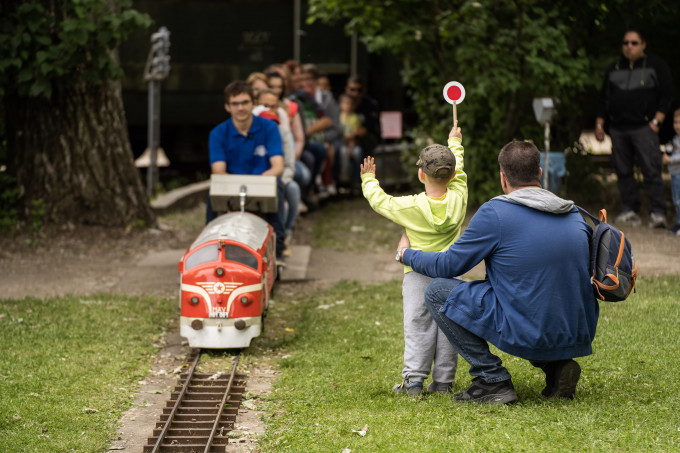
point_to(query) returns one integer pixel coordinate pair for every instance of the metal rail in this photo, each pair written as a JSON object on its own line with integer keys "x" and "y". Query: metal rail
{"x": 161, "y": 436}
{"x": 199, "y": 411}
{"x": 221, "y": 408}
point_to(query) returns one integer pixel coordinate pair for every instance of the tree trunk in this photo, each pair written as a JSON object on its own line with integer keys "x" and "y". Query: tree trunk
{"x": 73, "y": 153}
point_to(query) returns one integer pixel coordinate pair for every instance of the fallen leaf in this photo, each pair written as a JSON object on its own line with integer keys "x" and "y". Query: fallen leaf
{"x": 362, "y": 431}
{"x": 89, "y": 410}
{"x": 289, "y": 330}
{"x": 249, "y": 404}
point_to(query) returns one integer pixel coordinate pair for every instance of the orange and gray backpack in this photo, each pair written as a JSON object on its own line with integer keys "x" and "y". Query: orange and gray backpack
{"x": 612, "y": 264}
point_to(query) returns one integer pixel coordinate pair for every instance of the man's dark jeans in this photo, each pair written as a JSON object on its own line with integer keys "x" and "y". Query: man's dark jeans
{"x": 641, "y": 144}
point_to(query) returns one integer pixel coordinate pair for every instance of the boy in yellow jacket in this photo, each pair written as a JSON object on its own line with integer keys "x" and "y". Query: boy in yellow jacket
{"x": 433, "y": 221}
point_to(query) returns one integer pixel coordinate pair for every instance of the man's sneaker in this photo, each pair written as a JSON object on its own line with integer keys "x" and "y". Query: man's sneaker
{"x": 675, "y": 230}
{"x": 629, "y": 217}
{"x": 561, "y": 378}
{"x": 408, "y": 387}
{"x": 440, "y": 387}
{"x": 488, "y": 393}
{"x": 657, "y": 220}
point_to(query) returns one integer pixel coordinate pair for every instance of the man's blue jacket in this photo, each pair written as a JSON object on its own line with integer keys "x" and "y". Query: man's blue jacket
{"x": 536, "y": 301}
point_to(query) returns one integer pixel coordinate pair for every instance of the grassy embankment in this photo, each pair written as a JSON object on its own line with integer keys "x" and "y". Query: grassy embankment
{"x": 71, "y": 365}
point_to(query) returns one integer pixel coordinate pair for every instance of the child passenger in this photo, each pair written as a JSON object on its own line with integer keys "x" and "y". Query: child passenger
{"x": 433, "y": 221}
{"x": 349, "y": 158}
{"x": 673, "y": 162}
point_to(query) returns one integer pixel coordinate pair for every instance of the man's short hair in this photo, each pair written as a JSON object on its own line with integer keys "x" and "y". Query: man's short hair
{"x": 355, "y": 79}
{"x": 310, "y": 69}
{"x": 635, "y": 30}
{"x": 235, "y": 88}
{"x": 520, "y": 162}
{"x": 676, "y": 114}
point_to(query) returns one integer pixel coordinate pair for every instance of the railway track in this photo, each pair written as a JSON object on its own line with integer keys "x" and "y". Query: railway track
{"x": 200, "y": 413}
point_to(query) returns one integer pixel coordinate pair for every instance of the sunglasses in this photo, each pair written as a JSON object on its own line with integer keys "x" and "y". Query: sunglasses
{"x": 632, "y": 43}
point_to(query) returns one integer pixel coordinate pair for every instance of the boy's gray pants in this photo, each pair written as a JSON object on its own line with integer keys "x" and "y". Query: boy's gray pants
{"x": 424, "y": 343}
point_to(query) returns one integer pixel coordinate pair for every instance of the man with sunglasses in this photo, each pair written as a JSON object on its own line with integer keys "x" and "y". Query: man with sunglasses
{"x": 636, "y": 94}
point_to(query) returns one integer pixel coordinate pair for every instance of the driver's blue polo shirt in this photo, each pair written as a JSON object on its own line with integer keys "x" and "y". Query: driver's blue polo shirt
{"x": 245, "y": 154}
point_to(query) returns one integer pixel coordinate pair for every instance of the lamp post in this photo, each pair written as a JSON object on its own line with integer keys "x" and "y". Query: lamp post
{"x": 157, "y": 69}
{"x": 544, "y": 109}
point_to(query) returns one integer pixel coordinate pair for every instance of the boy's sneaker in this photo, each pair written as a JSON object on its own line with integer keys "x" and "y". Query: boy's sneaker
{"x": 657, "y": 220}
{"x": 675, "y": 230}
{"x": 440, "y": 387}
{"x": 488, "y": 393}
{"x": 561, "y": 378}
{"x": 408, "y": 387}
{"x": 629, "y": 217}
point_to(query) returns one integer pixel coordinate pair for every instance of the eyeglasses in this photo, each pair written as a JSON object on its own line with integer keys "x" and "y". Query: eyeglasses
{"x": 240, "y": 104}
{"x": 632, "y": 43}
{"x": 354, "y": 89}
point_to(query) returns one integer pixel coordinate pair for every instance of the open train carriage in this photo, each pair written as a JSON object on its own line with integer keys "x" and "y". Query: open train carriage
{"x": 228, "y": 272}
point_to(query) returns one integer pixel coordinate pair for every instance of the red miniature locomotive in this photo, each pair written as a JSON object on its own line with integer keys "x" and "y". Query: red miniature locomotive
{"x": 227, "y": 275}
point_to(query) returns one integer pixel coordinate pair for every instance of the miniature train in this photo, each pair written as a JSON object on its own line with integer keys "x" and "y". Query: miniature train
{"x": 227, "y": 276}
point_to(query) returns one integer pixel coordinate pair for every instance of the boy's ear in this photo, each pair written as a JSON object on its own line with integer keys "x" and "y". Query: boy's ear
{"x": 421, "y": 175}
{"x": 453, "y": 175}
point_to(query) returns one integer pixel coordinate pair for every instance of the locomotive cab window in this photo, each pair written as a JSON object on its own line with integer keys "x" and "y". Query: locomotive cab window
{"x": 203, "y": 255}
{"x": 240, "y": 255}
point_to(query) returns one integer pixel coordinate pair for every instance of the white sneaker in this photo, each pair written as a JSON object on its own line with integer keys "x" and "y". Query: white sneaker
{"x": 629, "y": 217}
{"x": 657, "y": 220}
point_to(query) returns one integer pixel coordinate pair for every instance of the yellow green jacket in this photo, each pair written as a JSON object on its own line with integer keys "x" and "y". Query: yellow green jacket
{"x": 431, "y": 225}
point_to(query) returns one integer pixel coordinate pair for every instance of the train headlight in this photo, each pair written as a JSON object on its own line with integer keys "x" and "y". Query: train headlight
{"x": 194, "y": 300}
{"x": 245, "y": 300}
{"x": 219, "y": 271}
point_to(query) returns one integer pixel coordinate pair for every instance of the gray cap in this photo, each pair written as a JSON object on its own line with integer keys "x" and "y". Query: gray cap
{"x": 437, "y": 161}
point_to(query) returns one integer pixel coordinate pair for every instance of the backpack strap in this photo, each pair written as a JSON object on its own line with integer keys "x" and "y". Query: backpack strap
{"x": 596, "y": 221}
{"x": 603, "y": 215}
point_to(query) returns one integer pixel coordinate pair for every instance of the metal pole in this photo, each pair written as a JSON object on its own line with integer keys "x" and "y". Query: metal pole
{"x": 546, "y": 136}
{"x": 153, "y": 134}
{"x": 354, "y": 51}
{"x": 297, "y": 11}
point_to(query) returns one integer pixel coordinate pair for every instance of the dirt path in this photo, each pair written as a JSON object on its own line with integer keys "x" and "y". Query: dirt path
{"x": 87, "y": 260}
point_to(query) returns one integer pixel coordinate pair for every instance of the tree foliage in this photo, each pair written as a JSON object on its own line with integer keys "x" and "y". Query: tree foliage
{"x": 505, "y": 53}
{"x": 67, "y": 149}
{"x": 44, "y": 48}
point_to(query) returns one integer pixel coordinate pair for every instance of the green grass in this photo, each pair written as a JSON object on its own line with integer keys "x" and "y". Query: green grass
{"x": 69, "y": 367}
{"x": 342, "y": 361}
{"x": 351, "y": 225}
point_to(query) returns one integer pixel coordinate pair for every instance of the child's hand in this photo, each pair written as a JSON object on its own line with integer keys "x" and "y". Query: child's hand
{"x": 404, "y": 243}
{"x": 455, "y": 131}
{"x": 368, "y": 166}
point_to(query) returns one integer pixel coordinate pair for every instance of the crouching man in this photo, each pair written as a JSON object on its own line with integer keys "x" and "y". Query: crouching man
{"x": 536, "y": 301}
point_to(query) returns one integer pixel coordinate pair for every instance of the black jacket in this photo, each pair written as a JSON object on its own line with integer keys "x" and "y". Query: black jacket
{"x": 633, "y": 92}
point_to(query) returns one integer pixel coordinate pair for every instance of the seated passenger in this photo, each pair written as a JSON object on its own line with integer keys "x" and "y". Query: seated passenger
{"x": 247, "y": 145}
